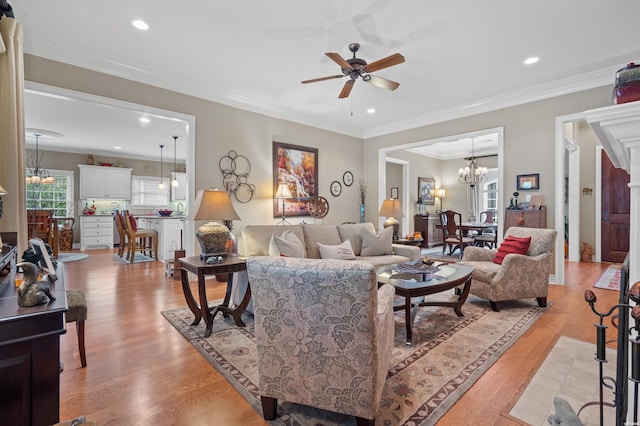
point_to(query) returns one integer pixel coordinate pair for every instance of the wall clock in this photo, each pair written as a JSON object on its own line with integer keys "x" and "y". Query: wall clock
{"x": 347, "y": 178}
{"x": 336, "y": 188}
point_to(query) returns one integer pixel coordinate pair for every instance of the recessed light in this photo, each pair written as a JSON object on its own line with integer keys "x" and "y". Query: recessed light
{"x": 144, "y": 120}
{"x": 371, "y": 110}
{"x": 140, "y": 24}
{"x": 117, "y": 147}
{"x": 531, "y": 60}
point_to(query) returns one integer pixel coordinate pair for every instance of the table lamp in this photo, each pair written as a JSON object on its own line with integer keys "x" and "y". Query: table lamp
{"x": 213, "y": 205}
{"x": 391, "y": 209}
{"x": 440, "y": 193}
{"x": 283, "y": 193}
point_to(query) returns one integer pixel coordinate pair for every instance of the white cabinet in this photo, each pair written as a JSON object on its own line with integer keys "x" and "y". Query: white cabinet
{"x": 179, "y": 193}
{"x": 96, "y": 231}
{"x": 105, "y": 182}
{"x": 169, "y": 233}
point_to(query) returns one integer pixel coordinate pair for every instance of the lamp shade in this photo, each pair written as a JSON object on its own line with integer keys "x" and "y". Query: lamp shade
{"x": 440, "y": 193}
{"x": 391, "y": 208}
{"x": 212, "y": 205}
{"x": 3, "y": 191}
{"x": 212, "y": 237}
{"x": 283, "y": 191}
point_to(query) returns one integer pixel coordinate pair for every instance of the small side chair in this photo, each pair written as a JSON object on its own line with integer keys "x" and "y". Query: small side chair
{"x": 77, "y": 313}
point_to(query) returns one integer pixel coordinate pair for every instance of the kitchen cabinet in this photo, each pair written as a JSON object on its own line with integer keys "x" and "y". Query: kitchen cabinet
{"x": 179, "y": 193}
{"x": 96, "y": 231}
{"x": 431, "y": 235}
{"x": 526, "y": 218}
{"x": 169, "y": 234}
{"x": 105, "y": 182}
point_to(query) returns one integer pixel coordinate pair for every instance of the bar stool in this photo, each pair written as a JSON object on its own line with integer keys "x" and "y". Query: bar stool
{"x": 78, "y": 313}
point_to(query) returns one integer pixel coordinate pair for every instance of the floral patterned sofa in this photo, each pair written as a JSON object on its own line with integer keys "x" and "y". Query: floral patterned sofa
{"x": 324, "y": 333}
{"x": 519, "y": 276}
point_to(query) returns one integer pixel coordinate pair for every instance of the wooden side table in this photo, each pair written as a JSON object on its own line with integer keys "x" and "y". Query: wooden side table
{"x": 202, "y": 311}
{"x": 413, "y": 242}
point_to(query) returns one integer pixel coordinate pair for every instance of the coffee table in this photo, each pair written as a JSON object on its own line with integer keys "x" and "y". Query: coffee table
{"x": 415, "y": 286}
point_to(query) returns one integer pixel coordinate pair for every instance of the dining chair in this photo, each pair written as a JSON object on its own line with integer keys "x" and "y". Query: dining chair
{"x": 40, "y": 224}
{"x": 452, "y": 235}
{"x": 488, "y": 238}
{"x": 122, "y": 233}
{"x": 139, "y": 239}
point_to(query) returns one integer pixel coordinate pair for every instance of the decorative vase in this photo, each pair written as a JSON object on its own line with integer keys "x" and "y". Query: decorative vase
{"x": 362, "y": 213}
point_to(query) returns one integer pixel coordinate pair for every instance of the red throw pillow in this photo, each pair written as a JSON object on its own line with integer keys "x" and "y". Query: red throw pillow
{"x": 134, "y": 224}
{"x": 512, "y": 245}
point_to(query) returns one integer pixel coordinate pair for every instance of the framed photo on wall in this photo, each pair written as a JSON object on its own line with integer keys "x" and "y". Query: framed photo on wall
{"x": 524, "y": 182}
{"x": 296, "y": 166}
{"x": 394, "y": 193}
{"x": 426, "y": 188}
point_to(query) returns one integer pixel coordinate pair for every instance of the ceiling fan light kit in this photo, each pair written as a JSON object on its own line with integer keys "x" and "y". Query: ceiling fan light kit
{"x": 355, "y": 68}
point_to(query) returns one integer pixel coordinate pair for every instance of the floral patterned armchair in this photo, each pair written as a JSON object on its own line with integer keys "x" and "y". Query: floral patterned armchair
{"x": 519, "y": 276}
{"x": 324, "y": 333}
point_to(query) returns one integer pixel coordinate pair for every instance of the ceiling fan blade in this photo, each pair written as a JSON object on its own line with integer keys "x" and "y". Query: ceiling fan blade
{"x": 387, "y": 62}
{"x": 339, "y": 60}
{"x": 313, "y": 80}
{"x": 382, "y": 82}
{"x": 346, "y": 89}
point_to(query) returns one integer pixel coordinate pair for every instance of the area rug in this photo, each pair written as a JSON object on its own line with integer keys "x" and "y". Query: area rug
{"x": 71, "y": 257}
{"x": 449, "y": 354}
{"x": 610, "y": 279}
{"x": 570, "y": 372}
{"x": 140, "y": 258}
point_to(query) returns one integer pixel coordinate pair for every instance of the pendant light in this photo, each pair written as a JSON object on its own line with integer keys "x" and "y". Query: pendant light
{"x": 174, "y": 180}
{"x": 37, "y": 175}
{"x": 161, "y": 185}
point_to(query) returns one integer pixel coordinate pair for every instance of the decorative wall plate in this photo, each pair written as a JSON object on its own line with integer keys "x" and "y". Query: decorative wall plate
{"x": 318, "y": 207}
{"x": 336, "y": 188}
{"x": 347, "y": 178}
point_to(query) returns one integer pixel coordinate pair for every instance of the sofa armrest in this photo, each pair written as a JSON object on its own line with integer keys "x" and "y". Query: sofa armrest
{"x": 524, "y": 275}
{"x": 478, "y": 254}
{"x": 413, "y": 253}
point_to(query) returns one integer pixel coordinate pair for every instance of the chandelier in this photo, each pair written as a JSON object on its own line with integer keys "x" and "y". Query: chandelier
{"x": 36, "y": 174}
{"x": 471, "y": 174}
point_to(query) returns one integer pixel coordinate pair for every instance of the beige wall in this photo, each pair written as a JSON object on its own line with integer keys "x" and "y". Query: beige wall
{"x": 220, "y": 128}
{"x": 529, "y": 141}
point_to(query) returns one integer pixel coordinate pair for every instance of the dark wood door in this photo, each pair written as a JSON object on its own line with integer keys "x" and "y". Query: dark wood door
{"x": 616, "y": 212}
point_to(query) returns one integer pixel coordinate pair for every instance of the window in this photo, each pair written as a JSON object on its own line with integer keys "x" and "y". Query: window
{"x": 490, "y": 197}
{"x": 57, "y": 196}
{"x": 145, "y": 191}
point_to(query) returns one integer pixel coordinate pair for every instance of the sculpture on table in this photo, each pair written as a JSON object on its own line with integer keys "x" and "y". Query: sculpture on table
{"x": 32, "y": 291}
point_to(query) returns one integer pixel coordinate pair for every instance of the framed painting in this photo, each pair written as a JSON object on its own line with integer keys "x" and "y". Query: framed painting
{"x": 524, "y": 182}
{"x": 426, "y": 188}
{"x": 394, "y": 192}
{"x": 297, "y": 167}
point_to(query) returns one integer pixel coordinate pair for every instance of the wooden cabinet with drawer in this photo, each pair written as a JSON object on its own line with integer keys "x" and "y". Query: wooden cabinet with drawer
{"x": 96, "y": 231}
{"x": 431, "y": 235}
{"x": 526, "y": 218}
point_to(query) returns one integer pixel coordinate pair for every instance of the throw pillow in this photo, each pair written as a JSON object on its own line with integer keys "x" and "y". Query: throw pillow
{"x": 287, "y": 245}
{"x": 377, "y": 244}
{"x": 512, "y": 245}
{"x": 342, "y": 251}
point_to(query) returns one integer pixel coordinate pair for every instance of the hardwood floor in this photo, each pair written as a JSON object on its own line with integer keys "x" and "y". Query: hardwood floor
{"x": 141, "y": 371}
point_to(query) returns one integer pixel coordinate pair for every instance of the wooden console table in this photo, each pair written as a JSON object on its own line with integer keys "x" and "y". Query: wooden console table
{"x": 29, "y": 351}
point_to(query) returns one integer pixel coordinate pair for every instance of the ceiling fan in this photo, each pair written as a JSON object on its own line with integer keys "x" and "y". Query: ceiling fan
{"x": 356, "y": 67}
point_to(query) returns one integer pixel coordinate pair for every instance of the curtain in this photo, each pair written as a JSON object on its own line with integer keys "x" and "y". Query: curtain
{"x": 12, "y": 133}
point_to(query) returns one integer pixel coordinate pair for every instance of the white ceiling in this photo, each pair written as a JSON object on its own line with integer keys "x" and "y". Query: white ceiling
{"x": 462, "y": 57}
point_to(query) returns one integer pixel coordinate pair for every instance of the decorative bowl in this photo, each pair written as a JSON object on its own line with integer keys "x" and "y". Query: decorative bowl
{"x": 165, "y": 213}
{"x": 106, "y": 164}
